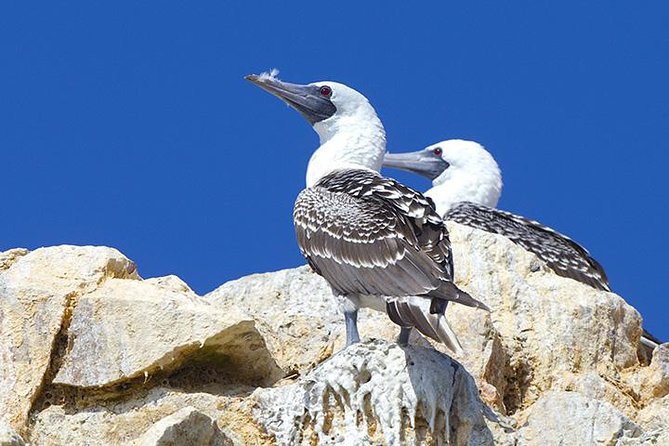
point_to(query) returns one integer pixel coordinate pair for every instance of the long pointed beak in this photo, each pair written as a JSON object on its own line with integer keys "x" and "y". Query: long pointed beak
{"x": 422, "y": 162}
{"x": 306, "y": 99}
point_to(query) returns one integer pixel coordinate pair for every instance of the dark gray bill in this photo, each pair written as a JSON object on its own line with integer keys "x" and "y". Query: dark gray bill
{"x": 306, "y": 99}
{"x": 423, "y": 162}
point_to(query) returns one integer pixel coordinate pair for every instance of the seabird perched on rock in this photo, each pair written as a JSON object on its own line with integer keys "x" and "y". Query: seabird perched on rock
{"x": 378, "y": 243}
{"x": 467, "y": 184}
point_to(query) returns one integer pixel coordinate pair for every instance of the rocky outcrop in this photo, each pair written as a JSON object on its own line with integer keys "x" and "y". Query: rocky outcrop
{"x": 130, "y": 328}
{"x": 378, "y": 393}
{"x": 92, "y": 354}
{"x": 38, "y": 291}
{"x": 551, "y": 329}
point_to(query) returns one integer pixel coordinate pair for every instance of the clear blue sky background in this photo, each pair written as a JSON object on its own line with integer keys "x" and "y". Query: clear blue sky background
{"x": 131, "y": 125}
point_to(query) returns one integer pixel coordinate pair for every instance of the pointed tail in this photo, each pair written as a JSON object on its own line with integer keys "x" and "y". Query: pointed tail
{"x": 415, "y": 312}
{"x": 448, "y": 291}
{"x": 649, "y": 341}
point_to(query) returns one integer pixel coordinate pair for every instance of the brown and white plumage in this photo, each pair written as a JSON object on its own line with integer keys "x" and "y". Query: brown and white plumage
{"x": 560, "y": 253}
{"x": 378, "y": 243}
{"x": 467, "y": 184}
{"x": 370, "y": 235}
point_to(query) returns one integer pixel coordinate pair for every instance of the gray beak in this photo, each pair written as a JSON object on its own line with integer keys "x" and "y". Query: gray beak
{"x": 306, "y": 99}
{"x": 423, "y": 162}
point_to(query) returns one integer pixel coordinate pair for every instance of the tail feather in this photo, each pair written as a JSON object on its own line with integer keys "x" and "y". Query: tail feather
{"x": 446, "y": 334}
{"x": 414, "y": 312}
{"x": 449, "y": 291}
{"x": 647, "y": 347}
{"x": 649, "y": 340}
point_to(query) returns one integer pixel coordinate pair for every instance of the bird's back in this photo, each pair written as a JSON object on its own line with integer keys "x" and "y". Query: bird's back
{"x": 366, "y": 234}
{"x": 563, "y": 255}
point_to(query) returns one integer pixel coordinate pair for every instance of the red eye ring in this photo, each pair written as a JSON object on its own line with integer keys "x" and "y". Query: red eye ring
{"x": 326, "y": 91}
{"x": 437, "y": 151}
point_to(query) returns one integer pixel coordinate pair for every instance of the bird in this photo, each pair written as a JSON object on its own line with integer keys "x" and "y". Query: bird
{"x": 466, "y": 186}
{"x": 378, "y": 243}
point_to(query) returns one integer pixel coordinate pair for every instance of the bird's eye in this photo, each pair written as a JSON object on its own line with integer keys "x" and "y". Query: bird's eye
{"x": 326, "y": 91}
{"x": 437, "y": 151}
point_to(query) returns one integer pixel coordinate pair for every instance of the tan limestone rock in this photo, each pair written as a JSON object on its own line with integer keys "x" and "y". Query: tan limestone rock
{"x": 37, "y": 292}
{"x": 86, "y": 420}
{"x": 306, "y": 325}
{"x": 561, "y": 418}
{"x": 187, "y": 426}
{"x": 548, "y": 324}
{"x": 298, "y": 307}
{"x": 9, "y": 257}
{"x": 125, "y": 329}
{"x": 135, "y": 360}
{"x": 655, "y": 415}
{"x": 652, "y": 382}
{"x": 8, "y": 437}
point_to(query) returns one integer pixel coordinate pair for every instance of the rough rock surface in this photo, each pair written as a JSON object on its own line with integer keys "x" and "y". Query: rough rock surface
{"x": 126, "y": 329}
{"x": 187, "y": 426}
{"x": 298, "y": 307}
{"x": 374, "y": 393}
{"x": 8, "y": 437}
{"x": 37, "y": 291}
{"x": 549, "y": 326}
{"x": 310, "y": 328}
{"x": 91, "y": 354}
{"x": 568, "y": 410}
{"x": 125, "y": 415}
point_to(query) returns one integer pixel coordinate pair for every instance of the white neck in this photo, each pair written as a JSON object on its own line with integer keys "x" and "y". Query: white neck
{"x": 356, "y": 140}
{"x": 478, "y": 184}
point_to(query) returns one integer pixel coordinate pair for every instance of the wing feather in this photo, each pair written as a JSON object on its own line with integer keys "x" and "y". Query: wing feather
{"x": 366, "y": 234}
{"x": 407, "y": 312}
{"x": 563, "y": 255}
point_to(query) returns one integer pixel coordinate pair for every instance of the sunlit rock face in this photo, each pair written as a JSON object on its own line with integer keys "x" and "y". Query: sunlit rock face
{"x": 92, "y": 354}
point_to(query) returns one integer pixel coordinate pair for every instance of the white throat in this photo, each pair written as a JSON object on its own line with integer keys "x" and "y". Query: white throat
{"x": 355, "y": 140}
{"x": 472, "y": 176}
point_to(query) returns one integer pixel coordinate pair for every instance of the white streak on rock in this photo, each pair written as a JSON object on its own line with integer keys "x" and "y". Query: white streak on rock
{"x": 375, "y": 391}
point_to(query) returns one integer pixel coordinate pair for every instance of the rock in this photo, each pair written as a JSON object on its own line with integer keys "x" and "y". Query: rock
{"x": 8, "y": 258}
{"x": 304, "y": 326}
{"x": 93, "y": 355}
{"x": 611, "y": 389}
{"x": 8, "y": 437}
{"x": 187, "y": 426}
{"x": 562, "y": 418}
{"x": 129, "y": 328}
{"x": 86, "y": 419}
{"x": 549, "y": 325}
{"x": 297, "y": 308}
{"x": 655, "y": 379}
{"x": 37, "y": 291}
{"x": 655, "y": 415}
{"x": 378, "y": 393}
{"x": 62, "y": 267}
{"x": 655, "y": 438}
{"x": 484, "y": 355}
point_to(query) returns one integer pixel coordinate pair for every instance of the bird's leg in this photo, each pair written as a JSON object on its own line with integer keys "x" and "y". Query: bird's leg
{"x": 352, "y": 335}
{"x": 349, "y": 304}
{"x": 403, "y": 338}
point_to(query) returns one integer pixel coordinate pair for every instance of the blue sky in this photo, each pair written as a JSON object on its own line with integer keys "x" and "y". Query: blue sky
{"x": 131, "y": 125}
